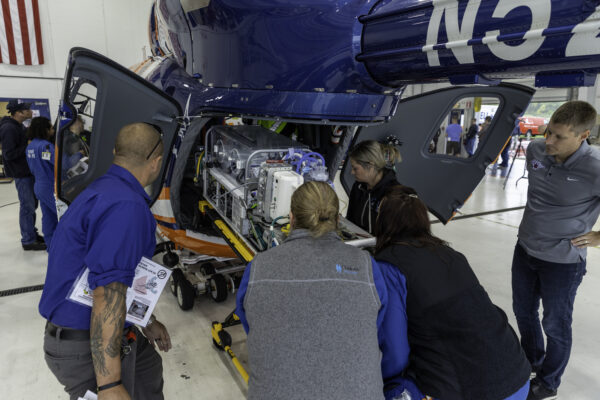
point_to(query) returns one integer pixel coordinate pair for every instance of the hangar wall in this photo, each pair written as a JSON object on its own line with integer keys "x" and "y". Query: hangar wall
{"x": 115, "y": 28}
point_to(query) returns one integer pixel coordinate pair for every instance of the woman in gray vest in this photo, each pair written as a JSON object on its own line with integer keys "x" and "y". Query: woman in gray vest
{"x": 312, "y": 308}
{"x": 461, "y": 345}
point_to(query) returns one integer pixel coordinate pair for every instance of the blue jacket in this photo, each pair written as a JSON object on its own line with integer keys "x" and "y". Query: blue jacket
{"x": 391, "y": 326}
{"x": 40, "y": 158}
{"x": 13, "y": 142}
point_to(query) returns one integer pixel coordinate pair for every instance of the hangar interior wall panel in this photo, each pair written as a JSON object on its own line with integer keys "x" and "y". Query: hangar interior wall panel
{"x": 115, "y": 28}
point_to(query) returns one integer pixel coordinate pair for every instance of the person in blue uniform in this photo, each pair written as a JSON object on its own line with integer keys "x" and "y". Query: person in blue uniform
{"x": 106, "y": 229}
{"x": 40, "y": 158}
{"x": 14, "y": 142}
{"x": 312, "y": 308}
{"x": 461, "y": 345}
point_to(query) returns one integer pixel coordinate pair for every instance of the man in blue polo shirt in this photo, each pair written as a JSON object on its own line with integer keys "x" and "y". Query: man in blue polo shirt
{"x": 453, "y": 132}
{"x": 563, "y": 204}
{"x": 108, "y": 228}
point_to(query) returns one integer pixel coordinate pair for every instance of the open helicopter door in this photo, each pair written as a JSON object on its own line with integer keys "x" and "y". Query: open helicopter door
{"x": 445, "y": 181}
{"x": 106, "y": 96}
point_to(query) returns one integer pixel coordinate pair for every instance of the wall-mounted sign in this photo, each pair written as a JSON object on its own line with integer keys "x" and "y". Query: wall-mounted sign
{"x": 39, "y": 107}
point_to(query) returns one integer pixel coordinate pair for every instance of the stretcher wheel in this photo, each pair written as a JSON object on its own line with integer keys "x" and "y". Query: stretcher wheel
{"x": 185, "y": 294}
{"x": 170, "y": 259}
{"x": 207, "y": 268}
{"x": 176, "y": 275}
{"x": 225, "y": 338}
{"x": 218, "y": 288}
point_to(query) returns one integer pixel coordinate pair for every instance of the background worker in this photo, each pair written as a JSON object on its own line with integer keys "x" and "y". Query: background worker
{"x": 107, "y": 228}
{"x": 74, "y": 138}
{"x": 312, "y": 309}
{"x": 434, "y": 141}
{"x": 471, "y": 138}
{"x": 453, "y": 133}
{"x": 74, "y": 148}
{"x": 461, "y": 345}
{"x": 504, "y": 154}
{"x": 373, "y": 166}
{"x": 563, "y": 203}
{"x": 40, "y": 159}
{"x": 484, "y": 127}
{"x": 14, "y": 142}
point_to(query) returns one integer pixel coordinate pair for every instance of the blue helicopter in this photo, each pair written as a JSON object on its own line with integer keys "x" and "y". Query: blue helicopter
{"x": 303, "y": 83}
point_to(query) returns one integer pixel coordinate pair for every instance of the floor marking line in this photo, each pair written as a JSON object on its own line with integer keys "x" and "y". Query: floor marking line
{"x": 484, "y": 213}
{"x": 26, "y": 289}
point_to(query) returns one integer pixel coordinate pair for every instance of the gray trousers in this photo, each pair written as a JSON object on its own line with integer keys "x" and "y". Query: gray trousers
{"x": 71, "y": 362}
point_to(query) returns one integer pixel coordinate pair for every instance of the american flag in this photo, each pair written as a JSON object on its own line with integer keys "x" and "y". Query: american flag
{"x": 20, "y": 33}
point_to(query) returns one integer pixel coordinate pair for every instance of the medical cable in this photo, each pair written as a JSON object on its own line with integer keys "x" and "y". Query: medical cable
{"x": 272, "y": 231}
{"x": 198, "y": 167}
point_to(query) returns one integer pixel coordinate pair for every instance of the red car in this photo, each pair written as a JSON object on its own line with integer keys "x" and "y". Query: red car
{"x": 529, "y": 125}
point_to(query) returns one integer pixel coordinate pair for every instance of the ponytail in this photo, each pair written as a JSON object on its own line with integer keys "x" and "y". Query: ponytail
{"x": 391, "y": 155}
{"x": 315, "y": 207}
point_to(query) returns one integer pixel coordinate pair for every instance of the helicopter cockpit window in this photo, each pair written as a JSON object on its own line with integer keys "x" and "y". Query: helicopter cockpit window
{"x": 77, "y": 131}
{"x": 464, "y": 127}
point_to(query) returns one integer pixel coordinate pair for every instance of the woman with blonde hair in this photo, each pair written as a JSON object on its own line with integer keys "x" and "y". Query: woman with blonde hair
{"x": 373, "y": 166}
{"x": 312, "y": 307}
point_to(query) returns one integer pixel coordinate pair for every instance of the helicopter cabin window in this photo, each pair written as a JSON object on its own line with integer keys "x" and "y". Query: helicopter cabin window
{"x": 76, "y": 130}
{"x": 463, "y": 128}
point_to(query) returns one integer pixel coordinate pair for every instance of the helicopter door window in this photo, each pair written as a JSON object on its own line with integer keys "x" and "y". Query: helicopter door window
{"x": 77, "y": 131}
{"x": 463, "y": 128}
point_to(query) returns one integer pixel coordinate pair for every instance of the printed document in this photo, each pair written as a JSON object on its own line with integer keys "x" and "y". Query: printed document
{"x": 149, "y": 281}
{"x": 89, "y": 396}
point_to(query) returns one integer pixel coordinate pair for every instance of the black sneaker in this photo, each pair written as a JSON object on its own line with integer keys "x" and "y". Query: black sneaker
{"x": 39, "y": 238}
{"x": 537, "y": 391}
{"x": 34, "y": 246}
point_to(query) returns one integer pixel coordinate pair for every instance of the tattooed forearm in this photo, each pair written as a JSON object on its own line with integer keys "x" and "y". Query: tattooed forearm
{"x": 114, "y": 346}
{"x": 114, "y": 296}
{"x": 106, "y": 329}
{"x": 97, "y": 346}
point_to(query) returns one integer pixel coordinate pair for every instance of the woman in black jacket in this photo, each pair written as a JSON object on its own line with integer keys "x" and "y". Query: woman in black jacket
{"x": 373, "y": 168}
{"x": 461, "y": 344}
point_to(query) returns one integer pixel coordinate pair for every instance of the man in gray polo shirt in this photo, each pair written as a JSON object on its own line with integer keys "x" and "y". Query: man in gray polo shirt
{"x": 563, "y": 203}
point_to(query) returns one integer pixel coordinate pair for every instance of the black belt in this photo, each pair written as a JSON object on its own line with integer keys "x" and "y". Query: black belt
{"x": 66, "y": 333}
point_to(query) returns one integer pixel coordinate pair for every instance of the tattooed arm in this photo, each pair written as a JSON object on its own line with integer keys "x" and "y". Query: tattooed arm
{"x": 106, "y": 331}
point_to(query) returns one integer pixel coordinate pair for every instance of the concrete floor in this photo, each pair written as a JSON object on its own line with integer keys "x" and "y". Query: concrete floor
{"x": 194, "y": 369}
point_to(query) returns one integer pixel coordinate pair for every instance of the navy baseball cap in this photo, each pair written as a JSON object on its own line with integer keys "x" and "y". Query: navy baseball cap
{"x": 17, "y": 105}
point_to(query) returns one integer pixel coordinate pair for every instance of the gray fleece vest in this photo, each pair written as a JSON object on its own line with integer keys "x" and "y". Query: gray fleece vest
{"x": 312, "y": 307}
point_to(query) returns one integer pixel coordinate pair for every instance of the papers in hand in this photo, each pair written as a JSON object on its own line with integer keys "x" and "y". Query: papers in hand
{"x": 89, "y": 396}
{"x": 149, "y": 281}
